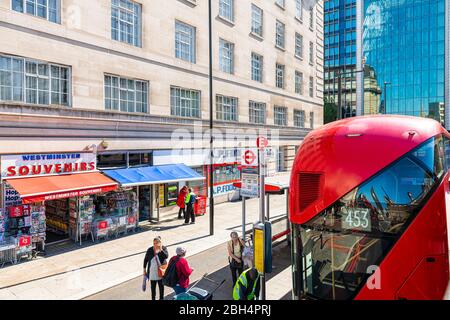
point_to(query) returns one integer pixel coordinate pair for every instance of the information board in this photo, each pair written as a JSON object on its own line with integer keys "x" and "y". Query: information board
{"x": 259, "y": 249}
{"x": 250, "y": 185}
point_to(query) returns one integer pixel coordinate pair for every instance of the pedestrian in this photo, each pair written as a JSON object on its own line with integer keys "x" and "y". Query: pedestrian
{"x": 235, "y": 249}
{"x": 155, "y": 257}
{"x": 181, "y": 202}
{"x": 191, "y": 198}
{"x": 247, "y": 286}
{"x": 183, "y": 270}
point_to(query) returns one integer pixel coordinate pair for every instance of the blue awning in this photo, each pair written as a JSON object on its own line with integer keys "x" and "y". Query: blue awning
{"x": 153, "y": 175}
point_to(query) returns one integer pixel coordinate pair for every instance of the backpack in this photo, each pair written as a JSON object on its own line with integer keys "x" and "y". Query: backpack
{"x": 192, "y": 198}
{"x": 170, "y": 277}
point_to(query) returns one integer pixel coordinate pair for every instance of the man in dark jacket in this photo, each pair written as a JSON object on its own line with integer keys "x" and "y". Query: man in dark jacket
{"x": 190, "y": 198}
{"x": 155, "y": 257}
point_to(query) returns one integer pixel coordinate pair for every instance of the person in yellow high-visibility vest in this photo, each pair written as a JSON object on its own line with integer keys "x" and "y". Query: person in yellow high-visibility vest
{"x": 247, "y": 285}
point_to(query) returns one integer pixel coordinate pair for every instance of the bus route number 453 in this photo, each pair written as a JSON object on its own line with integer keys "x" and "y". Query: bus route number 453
{"x": 356, "y": 218}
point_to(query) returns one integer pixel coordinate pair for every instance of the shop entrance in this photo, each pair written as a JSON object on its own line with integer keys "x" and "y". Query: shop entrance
{"x": 148, "y": 203}
{"x": 57, "y": 216}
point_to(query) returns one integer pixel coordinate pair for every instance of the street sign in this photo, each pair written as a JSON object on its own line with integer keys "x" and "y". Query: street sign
{"x": 270, "y": 162}
{"x": 249, "y": 157}
{"x": 249, "y": 185}
{"x": 262, "y": 142}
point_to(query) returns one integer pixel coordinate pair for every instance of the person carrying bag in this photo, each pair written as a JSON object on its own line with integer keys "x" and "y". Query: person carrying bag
{"x": 155, "y": 265}
{"x": 235, "y": 250}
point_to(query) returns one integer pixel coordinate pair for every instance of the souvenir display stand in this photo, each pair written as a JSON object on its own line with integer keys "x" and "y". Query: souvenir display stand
{"x": 116, "y": 214}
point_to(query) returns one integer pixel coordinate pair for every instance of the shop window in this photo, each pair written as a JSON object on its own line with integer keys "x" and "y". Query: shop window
{"x": 139, "y": 159}
{"x": 226, "y": 173}
{"x": 111, "y": 160}
{"x": 199, "y": 187}
{"x": 118, "y": 160}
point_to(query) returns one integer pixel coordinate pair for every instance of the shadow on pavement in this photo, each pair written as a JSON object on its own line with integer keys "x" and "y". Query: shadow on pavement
{"x": 281, "y": 261}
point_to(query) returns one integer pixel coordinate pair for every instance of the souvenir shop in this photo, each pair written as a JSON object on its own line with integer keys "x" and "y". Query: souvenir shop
{"x": 46, "y": 198}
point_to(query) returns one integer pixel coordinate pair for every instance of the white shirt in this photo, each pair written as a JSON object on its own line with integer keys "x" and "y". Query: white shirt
{"x": 154, "y": 269}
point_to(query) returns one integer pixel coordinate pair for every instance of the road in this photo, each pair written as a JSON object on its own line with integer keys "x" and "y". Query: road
{"x": 214, "y": 262}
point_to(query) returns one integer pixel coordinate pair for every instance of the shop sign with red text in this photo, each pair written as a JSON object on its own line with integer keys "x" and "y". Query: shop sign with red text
{"x": 47, "y": 164}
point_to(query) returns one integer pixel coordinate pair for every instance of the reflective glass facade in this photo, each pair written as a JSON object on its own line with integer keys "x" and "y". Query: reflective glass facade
{"x": 403, "y": 45}
{"x": 340, "y": 53}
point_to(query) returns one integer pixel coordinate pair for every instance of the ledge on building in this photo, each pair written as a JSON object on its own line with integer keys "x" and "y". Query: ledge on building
{"x": 280, "y": 6}
{"x": 256, "y": 36}
{"x": 225, "y": 20}
{"x": 191, "y": 3}
{"x": 280, "y": 48}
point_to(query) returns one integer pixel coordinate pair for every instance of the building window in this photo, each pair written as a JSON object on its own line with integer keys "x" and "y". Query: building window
{"x": 185, "y": 42}
{"x": 257, "y": 20}
{"x": 299, "y": 118}
{"x": 311, "y": 18}
{"x": 123, "y": 160}
{"x": 311, "y": 52}
{"x": 36, "y": 82}
{"x": 226, "y": 9}
{"x": 280, "y": 3}
{"x": 311, "y": 120}
{"x": 226, "y": 108}
{"x": 298, "y": 45}
{"x": 184, "y": 102}
{"x": 226, "y": 56}
{"x": 279, "y": 76}
{"x": 279, "y": 36}
{"x": 279, "y": 116}
{"x": 257, "y": 112}
{"x": 298, "y": 82}
{"x": 299, "y": 9}
{"x": 126, "y": 21}
{"x": 127, "y": 95}
{"x": 47, "y": 9}
{"x": 257, "y": 67}
{"x": 311, "y": 87}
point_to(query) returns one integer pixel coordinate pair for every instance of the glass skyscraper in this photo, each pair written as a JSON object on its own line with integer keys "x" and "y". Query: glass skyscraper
{"x": 403, "y": 44}
{"x": 340, "y": 54}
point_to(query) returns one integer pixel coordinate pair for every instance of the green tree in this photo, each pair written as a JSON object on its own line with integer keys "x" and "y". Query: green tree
{"x": 329, "y": 110}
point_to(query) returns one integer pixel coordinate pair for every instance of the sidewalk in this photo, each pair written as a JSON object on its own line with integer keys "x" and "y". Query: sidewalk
{"x": 214, "y": 262}
{"x": 88, "y": 270}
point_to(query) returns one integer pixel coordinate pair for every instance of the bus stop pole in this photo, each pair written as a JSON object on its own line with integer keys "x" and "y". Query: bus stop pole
{"x": 243, "y": 218}
{"x": 268, "y": 207}
{"x": 262, "y": 212}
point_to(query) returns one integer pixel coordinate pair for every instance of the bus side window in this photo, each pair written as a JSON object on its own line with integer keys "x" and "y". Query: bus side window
{"x": 447, "y": 153}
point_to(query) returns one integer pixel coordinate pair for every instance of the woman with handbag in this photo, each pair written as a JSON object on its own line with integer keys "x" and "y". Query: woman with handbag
{"x": 155, "y": 264}
{"x": 235, "y": 249}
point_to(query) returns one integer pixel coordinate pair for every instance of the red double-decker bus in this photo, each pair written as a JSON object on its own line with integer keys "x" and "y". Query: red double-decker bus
{"x": 369, "y": 205}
